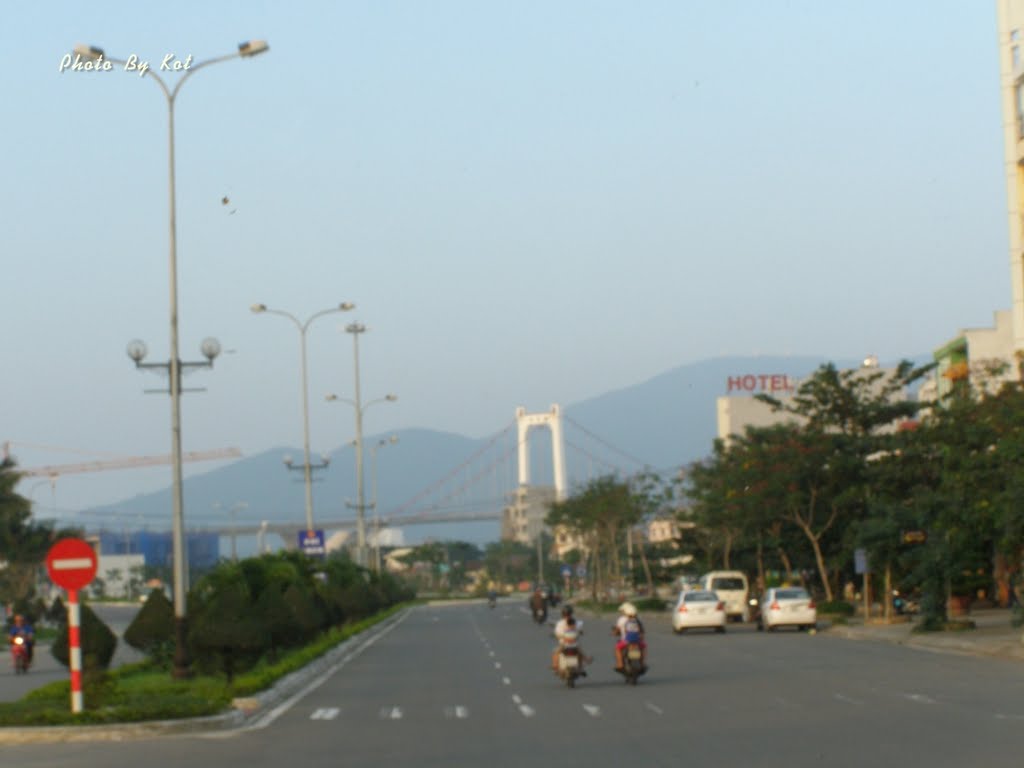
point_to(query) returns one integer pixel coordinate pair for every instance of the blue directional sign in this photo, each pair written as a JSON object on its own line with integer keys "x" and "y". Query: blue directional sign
{"x": 566, "y": 571}
{"x": 581, "y": 571}
{"x": 312, "y": 543}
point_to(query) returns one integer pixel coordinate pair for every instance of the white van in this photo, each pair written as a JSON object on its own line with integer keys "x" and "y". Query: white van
{"x": 732, "y": 589}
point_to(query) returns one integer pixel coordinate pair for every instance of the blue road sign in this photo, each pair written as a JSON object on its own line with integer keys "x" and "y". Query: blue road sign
{"x": 566, "y": 571}
{"x": 312, "y": 542}
{"x": 581, "y": 571}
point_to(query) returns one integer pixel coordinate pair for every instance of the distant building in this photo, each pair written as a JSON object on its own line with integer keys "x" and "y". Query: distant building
{"x": 523, "y": 519}
{"x": 120, "y": 575}
{"x": 1010, "y": 21}
{"x": 157, "y": 548}
{"x": 974, "y": 354}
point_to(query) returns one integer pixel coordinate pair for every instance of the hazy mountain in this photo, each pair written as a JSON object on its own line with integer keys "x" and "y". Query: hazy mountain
{"x": 664, "y": 423}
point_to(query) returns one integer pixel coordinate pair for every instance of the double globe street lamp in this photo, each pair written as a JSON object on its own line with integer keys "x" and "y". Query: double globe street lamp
{"x": 174, "y": 366}
{"x": 307, "y": 467}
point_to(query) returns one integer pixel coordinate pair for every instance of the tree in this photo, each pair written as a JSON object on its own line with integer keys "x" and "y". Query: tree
{"x": 97, "y": 641}
{"x": 152, "y": 629}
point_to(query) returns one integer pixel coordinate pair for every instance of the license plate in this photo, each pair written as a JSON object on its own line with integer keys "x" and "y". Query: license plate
{"x": 570, "y": 662}
{"x": 795, "y": 607}
{"x": 634, "y": 653}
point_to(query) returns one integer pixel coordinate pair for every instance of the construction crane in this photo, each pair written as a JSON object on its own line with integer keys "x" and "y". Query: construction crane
{"x": 54, "y": 471}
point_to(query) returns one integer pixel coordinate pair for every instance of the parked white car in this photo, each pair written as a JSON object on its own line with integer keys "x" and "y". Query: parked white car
{"x": 787, "y": 607}
{"x": 698, "y": 608}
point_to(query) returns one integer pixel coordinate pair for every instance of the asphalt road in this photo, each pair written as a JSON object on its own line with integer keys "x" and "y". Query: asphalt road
{"x": 469, "y": 686}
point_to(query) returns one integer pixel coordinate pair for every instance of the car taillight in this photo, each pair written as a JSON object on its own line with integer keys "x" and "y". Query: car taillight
{"x": 682, "y": 607}
{"x": 774, "y": 606}
{"x": 720, "y": 606}
{"x": 810, "y": 604}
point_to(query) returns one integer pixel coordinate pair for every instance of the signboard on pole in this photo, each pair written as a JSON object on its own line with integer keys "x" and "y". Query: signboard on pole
{"x": 312, "y": 543}
{"x": 566, "y": 571}
{"x": 72, "y": 564}
{"x": 860, "y": 561}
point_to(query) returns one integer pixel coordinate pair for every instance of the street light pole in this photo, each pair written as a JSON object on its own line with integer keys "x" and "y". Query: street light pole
{"x": 355, "y": 329}
{"x": 376, "y": 512}
{"x": 307, "y": 467}
{"x": 174, "y": 366}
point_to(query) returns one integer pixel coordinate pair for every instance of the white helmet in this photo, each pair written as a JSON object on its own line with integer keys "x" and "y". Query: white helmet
{"x": 628, "y": 609}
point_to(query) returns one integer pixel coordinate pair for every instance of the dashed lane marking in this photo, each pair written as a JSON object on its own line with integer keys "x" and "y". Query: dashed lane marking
{"x": 497, "y": 665}
{"x": 390, "y": 713}
{"x": 654, "y": 708}
{"x": 920, "y": 698}
{"x": 506, "y": 681}
{"x": 516, "y": 699}
{"x": 592, "y": 710}
{"x": 458, "y": 712}
{"x": 847, "y": 699}
{"x": 325, "y": 713}
{"x": 526, "y": 710}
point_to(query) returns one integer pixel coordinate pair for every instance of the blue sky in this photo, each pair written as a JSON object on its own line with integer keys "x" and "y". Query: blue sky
{"x": 530, "y": 202}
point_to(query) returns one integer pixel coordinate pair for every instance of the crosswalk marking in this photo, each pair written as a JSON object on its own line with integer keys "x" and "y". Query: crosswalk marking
{"x": 325, "y": 713}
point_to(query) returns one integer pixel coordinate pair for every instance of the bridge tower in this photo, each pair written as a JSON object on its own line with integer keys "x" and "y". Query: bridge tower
{"x": 523, "y": 519}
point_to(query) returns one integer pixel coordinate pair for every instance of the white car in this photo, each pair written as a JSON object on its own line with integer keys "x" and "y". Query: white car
{"x": 787, "y": 607}
{"x": 698, "y": 608}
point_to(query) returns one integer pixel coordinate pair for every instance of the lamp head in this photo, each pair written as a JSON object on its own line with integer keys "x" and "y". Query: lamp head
{"x": 346, "y": 306}
{"x": 287, "y": 461}
{"x": 90, "y": 52}
{"x": 137, "y": 350}
{"x": 210, "y": 348}
{"x": 257, "y": 308}
{"x": 252, "y": 48}
{"x": 331, "y": 398}
{"x": 391, "y": 397}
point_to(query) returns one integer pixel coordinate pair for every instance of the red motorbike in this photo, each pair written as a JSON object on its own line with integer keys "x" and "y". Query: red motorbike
{"x": 19, "y": 652}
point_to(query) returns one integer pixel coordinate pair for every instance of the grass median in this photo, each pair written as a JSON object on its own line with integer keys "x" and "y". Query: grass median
{"x": 139, "y": 692}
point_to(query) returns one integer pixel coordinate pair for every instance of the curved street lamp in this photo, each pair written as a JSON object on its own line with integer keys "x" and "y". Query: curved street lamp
{"x": 174, "y": 366}
{"x": 382, "y": 443}
{"x": 307, "y": 468}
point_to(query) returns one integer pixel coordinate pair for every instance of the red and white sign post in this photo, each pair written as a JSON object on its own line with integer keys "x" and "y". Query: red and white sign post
{"x": 72, "y": 564}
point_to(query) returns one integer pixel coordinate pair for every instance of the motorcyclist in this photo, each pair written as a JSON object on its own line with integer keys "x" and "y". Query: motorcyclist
{"x": 538, "y": 605}
{"x": 22, "y": 628}
{"x": 629, "y": 629}
{"x": 567, "y": 633}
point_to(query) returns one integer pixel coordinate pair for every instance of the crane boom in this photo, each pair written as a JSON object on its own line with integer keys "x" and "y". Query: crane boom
{"x": 133, "y": 462}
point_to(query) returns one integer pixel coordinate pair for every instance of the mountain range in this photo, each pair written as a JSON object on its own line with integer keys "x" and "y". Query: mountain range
{"x": 663, "y": 423}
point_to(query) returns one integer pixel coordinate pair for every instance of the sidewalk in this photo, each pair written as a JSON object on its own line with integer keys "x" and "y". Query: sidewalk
{"x": 993, "y": 637}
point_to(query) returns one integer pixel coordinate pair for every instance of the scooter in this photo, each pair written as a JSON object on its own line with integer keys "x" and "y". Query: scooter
{"x": 19, "y": 651}
{"x": 540, "y": 615}
{"x": 632, "y": 663}
{"x": 569, "y": 667}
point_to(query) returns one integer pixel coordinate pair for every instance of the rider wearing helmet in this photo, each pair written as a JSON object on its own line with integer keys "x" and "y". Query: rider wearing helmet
{"x": 567, "y": 632}
{"x": 629, "y": 629}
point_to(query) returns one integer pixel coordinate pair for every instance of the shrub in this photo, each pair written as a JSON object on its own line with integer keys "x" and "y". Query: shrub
{"x": 836, "y": 608}
{"x": 152, "y": 629}
{"x": 98, "y": 642}
{"x": 651, "y": 604}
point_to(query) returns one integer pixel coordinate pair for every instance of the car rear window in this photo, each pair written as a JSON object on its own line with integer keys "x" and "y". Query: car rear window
{"x": 791, "y": 594}
{"x": 700, "y": 597}
{"x": 727, "y": 582}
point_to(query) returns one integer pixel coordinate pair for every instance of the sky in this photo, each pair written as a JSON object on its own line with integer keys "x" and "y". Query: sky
{"x": 528, "y": 202}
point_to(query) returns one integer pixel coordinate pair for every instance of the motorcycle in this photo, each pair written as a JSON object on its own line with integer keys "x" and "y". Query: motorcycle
{"x": 19, "y": 651}
{"x": 570, "y": 661}
{"x": 540, "y": 615}
{"x": 632, "y": 663}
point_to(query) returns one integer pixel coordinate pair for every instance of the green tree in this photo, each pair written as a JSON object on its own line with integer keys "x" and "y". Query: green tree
{"x": 98, "y": 642}
{"x": 152, "y": 629}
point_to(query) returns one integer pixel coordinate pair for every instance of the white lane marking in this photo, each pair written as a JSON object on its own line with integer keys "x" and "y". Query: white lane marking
{"x": 1001, "y": 716}
{"x": 497, "y": 665}
{"x": 325, "y": 713}
{"x": 516, "y": 699}
{"x": 390, "y": 713}
{"x": 506, "y": 681}
{"x": 920, "y": 698}
{"x": 654, "y": 708}
{"x": 287, "y": 704}
{"x": 592, "y": 710}
{"x": 491, "y": 653}
{"x": 526, "y": 710}
{"x": 847, "y": 699}
{"x": 458, "y": 712}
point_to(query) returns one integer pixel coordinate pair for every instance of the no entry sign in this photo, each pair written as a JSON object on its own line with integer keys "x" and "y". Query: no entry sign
{"x": 71, "y": 563}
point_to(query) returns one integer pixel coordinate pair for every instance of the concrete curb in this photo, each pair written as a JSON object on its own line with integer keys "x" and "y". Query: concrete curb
{"x": 243, "y": 712}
